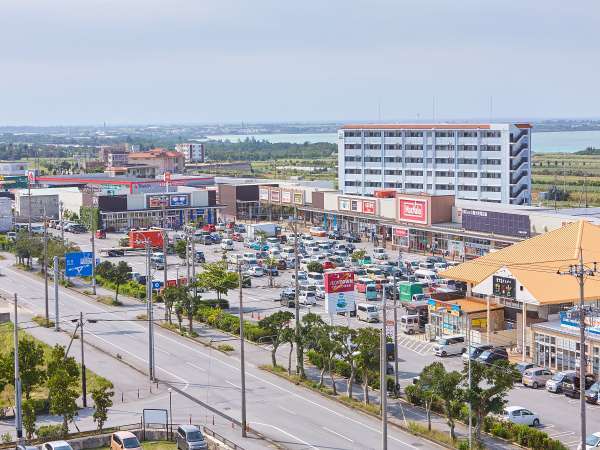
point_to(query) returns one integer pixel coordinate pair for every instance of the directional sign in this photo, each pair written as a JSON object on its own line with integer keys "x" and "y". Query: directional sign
{"x": 156, "y": 284}
{"x": 78, "y": 264}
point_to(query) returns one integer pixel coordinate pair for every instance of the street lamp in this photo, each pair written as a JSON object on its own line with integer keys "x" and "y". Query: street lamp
{"x": 171, "y": 411}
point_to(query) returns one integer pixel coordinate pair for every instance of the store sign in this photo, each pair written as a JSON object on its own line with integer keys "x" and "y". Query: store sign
{"x": 275, "y": 195}
{"x": 390, "y": 328}
{"x": 298, "y": 198}
{"x": 455, "y": 310}
{"x": 401, "y": 232}
{"x": 157, "y": 201}
{"x": 412, "y": 210}
{"x": 339, "y": 292}
{"x": 368, "y": 207}
{"x": 286, "y": 197}
{"x": 343, "y": 204}
{"x": 504, "y": 287}
{"x": 263, "y": 194}
{"x": 179, "y": 200}
{"x": 496, "y": 222}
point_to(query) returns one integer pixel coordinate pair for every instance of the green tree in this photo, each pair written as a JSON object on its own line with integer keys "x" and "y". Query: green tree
{"x": 260, "y": 235}
{"x": 357, "y": 255}
{"x": 277, "y": 325}
{"x": 102, "y": 397}
{"x": 426, "y": 387}
{"x": 190, "y": 304}
{"x": 57, "y": 360}
{"x": 62, "y": 393}
{"x": 305, "y": 338}
{"x": 215, "y": 277}
{"x": 448, "y": 390}
{"x": 328, "y": 348}
{"x": 490, "y": 383}
{"x": 314, "y": 266}
{"x": 180, "y": 248}
{"x": 27, "y": 248}
{"x": 346, "y": 337}
{"x": 367, "y": 348}
{"x": 269, "y": 264}
{"x": 31, "y": 360}
{"x": 170, "y": 296}
{"x": 178, "y": 308}
{"x": 289, "y": 337}
{"x": 29, "y": 418}
{"x": 104, "y": 269}
{"x": 119, "y": 274}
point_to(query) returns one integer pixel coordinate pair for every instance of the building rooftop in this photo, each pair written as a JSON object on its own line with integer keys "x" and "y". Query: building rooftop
{"x": 427, "y": 126}
{"x": 155, "y": 153}
{"x": 535, "y": 263}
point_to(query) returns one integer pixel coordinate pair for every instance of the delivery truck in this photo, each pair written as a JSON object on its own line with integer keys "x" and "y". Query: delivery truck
{"x": 408, "y": 290}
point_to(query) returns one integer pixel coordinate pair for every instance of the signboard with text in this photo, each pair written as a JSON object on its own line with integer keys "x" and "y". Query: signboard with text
{"x": 78, "y": 264}
{"x": 286, "y": 197}
{"x": 263, "y": 194}
{"x": 339, "y": 292}
{"x": 504, "y": 224}
{"x": 275, "y": 195}
{"x": 179, "y": 200}
{"x": 413, "y": 210}
{"x": 298, "y": 198}
{"x": 368, "y": 207}
{"x": 343, "y": 204}
{"x": 504, "y": 286}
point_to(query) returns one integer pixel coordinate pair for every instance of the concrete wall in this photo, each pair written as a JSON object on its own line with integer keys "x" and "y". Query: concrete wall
{"x": 441, "y": 209}
{"x": 39, "y": 203}
{"x": 388, "y": 208}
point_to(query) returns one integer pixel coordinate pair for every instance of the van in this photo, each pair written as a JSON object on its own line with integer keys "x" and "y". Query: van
{"x": 361, "y": 284}
{"x": 367, "y": 312}
{"x": 428, "y": 277}
{"x": 315, "y": 278}
{"x": 410, "y": 324}
{"x": 189, "y": 437}
{"x": 371, "y": 291}
{"x": 426, "y": 265}
{"x": 227, "y": 244}
{"x": 451, "y": 345}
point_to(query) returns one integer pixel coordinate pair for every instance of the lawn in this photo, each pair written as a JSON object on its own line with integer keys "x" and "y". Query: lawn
{"x": 151, "y": 445}
{"x": 6, "y": 345}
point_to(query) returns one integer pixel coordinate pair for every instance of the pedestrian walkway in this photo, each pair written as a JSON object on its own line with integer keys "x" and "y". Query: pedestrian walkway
{"x": 416, "y": 343}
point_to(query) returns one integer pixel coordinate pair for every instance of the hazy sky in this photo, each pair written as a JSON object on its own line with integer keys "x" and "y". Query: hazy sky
{"x": 142, "y": 61}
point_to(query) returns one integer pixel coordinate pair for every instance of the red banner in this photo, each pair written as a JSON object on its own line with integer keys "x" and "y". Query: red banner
{"x": 339, "y": 282}
{"x": 412, "y": 210}
{"x": 368, "y": 207}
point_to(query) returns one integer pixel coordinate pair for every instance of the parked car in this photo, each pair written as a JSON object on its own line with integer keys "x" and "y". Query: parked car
{"x": 592, "y": 395}
{"x": 520, "y": 415}
{"x": 288, "y": 293}
{"x": 492, "y": 355}
{"x": 114, "y": 253}
{"x": 327, "y": 265}
{"x": 100, "y": 234}
{"x": 379, "y": 253}
{"x": 307, "y": 298}
{"x": 199, "y": 257}
{"x": 571, "y": 385}
{"x": 227, "y": 244}
{"x": 281, "y": 264}
{"x": 367, "y": 312}
{"x": 536, "y": 377}
{"x": 124, "y": 440}
{"x": 206, "y": 239}
{"x": 189, "y": 437}
{"x": 556, "y": 383}
{"x": 451, "y": 345}
{"x": 320, "y": 292}
{"x": 336, "y": 235}
{"x": 255, "y": 271}
{"x": 591, "y": 442}
{"x": 237, "y": 237}
{"x": 351, "y": 237}
{"x": 521, "y": 367}
{"x": 274, "y": 271}
{"x": 317, "y": 232}
{"x": 57, "y": 445}
{"x": 475, "y": 350}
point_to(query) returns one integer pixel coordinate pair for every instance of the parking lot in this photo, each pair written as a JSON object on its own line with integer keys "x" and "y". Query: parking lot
{"x": 559, "y": 414}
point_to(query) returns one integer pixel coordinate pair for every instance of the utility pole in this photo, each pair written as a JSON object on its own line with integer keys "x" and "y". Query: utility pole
{"x": 18, "y": 415}
{"x": 469, "y": 378}
{"x": 581, "y": 272}
{"x": 194, "y": 265}
{"x": 29, "y": 205}
{"x": 149, "y": 312}
{"x": 62, "y": 221}
{"x": 382, "y": 374}
{"x": 242, "y": 360}
{"x": 93, "y": 252}
{"x": 83, "y": 374}
{"x": 45, "y": 266}
{"x": 396, "y": 388}
{"x": 56, "y": 317}
{"x": 187, "y": 255}
{"x": 299, "y": 356}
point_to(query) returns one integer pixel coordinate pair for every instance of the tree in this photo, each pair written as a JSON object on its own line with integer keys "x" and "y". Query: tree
{"x": 62, "y": 394}
{"x": 215, "y": 277}
{"x": 102, "y": 397}
{"x": 180, "y": 248}
{"x": 277, "y": 325}
{"x": 314, "y": 266}
{"x": 179, "y": 314}
{"x": 260, "y": 235}
{"x": 289, "y": 337}
{"x": 357, "y": 255}
{"x": 119, "y": 275}
{"x": 367, "y": 347}
{"x": 57, "y": 360}
{"x": 29, "y": 418}
{"x": 328, "y": 349}
{"x": 270, "y": 263}
{"x": 305, "y": 338}
{"x": 447, "y": 388}
{"x": 426, "y": 387}
{"x": 346, "y": 337}
{"x": 489, "y": 385}
{"x": 31, "y": 360}
{"x": 170, "y": 296}
{"x": 189, "y": 304}
{"x": 104, "y": 269}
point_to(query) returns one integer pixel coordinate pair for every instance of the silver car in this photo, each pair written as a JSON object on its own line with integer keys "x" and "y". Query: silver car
{"x": 189, "y": 437}
{"x": 536, "y": 377}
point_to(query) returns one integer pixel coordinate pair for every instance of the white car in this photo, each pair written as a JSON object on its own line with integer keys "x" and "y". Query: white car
{"x": 307, "y": 298}
{"x": 521, "y": 415}
{"x": 227, "y": 244}
{"x": 591, "y": 442}
{"x": 255, "y": 271}
{"x": 380, "y": 254}
{"x": 320, "y": 292}
{"x": 57, "y": 445}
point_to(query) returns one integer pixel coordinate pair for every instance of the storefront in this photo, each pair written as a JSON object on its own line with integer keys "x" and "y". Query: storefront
{"x": 450, "y": 318}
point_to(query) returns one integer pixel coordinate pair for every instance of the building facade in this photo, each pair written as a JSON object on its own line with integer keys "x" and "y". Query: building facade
{"x": 483, "y": 162}
{"x": 164, "y": 160}
{"x": 13, "y": 168}
{"x": 194, "y": 152}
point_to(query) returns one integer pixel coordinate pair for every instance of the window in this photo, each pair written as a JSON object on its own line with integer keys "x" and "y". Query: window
{"x": 393, "y": 159}
{"x": 352, "y": 146}
{"x": 373, "y": 134}
{"x": 353, "y": 183}
{"x": 415, "y": 134}
{"x": 490, "y": 188}
{"x": 393, "y": 172}
{"x": 444, "y": 147}
{"x": 467, "y": 187}
{"x": 467, "y": 148}
{"x": 353, "y": 171}
{"x": 393, "y": 134}
{"x": 491, "y": 148}
{"x": 467, "y": 174}
{"x": 467, "y": 161}
{"x": 491, "y": 134}
{"x": 444, "y": 160}
{"x": 444, "y": 173}
{"x": 352, "y": 158}
{"x": 490, "y": 175}
{"x": 414, "y": 147}
{"x": 372, "y": 184}
{"x": 393, "y": 146}
{"x": 445, "y": 187}
{"x": 372, "y": 171}
{"x": 467, "y": 134}
{"x": 491, "y": 162}
{"x": 413, "y": 173}
{"x": 393, "y": 185}
{"x": 373, "y": 146}
{"x": 372, "y": 159}
{"x": 444, "y": 134}
{"x": 413, "y": 186}
{"x": 413, "y": 160}
{"x": 352, "y": 133}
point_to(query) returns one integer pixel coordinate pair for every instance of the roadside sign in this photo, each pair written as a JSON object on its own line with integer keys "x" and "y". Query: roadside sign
{"x": 156, "y": 284}
{"x": 389, "y": 328}
{"x": 78, "y": 264}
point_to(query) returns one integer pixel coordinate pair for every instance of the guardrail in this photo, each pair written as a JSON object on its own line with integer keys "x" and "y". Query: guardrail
{"x": 222, "y": 439}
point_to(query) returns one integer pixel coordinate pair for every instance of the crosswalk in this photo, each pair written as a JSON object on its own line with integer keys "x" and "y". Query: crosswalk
{"x": 415, "y": 344}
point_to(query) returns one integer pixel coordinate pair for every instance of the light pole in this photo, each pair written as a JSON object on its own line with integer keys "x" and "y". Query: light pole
{"x": 242, "y": 355}
{"x": 395, "y": 287}
{"x": 299, "y": 356}
{"x": 382, "y": 374}
{"x": 45, "y": 264}
{"x": 171, "y": 412}
{"x": 56, "y": 315}
{"x": 18, "y": 415}
{"x": 93, "y": 239}
{"x": 62, "y": 221}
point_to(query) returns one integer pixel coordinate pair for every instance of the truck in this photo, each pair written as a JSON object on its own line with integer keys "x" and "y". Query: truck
{"x": 269, "y": 230}
{"x": 137, "y": 242}
{"x": 407, "y": 290}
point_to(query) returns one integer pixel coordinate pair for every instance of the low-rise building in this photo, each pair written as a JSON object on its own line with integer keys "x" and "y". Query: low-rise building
{"x": 14, "y": 168}
{"x": 194, "y": 152}
{"x": 164, "y": 160}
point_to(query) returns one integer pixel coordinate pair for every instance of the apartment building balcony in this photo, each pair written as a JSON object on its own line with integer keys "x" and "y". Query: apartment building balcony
{"x": 514, "y": 138}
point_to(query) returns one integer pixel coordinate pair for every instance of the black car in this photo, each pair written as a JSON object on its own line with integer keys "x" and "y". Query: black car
{"x": 571, "y": 384}
{"x": 199, "y": 257}
{"x": 281, "y": 264}
{"x": 492, "y": 355}
{"x": 246, "y": 281}
{"x": 477, "y": 349}
{"x": 335, "y": 235}
{"x": 115, "y": 253}
{"x": 351, "y": 237}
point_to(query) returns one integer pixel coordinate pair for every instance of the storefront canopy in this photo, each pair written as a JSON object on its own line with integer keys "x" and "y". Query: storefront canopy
{"x": 539, "y": 264}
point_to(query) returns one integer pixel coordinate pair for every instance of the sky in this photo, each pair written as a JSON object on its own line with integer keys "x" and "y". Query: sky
{"x": 73, "y": 62}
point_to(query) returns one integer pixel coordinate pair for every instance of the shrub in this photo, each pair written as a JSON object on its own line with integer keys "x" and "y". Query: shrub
{"x": 50, "y": 432}
{"x": 225, "y": 348}
{"x": 522, "y": 435}
{"x": 215, "y": 303}
{"x": 413, "y": 395}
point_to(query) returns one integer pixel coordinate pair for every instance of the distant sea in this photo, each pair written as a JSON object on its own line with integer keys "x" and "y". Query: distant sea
{"x": 543, "y": 142}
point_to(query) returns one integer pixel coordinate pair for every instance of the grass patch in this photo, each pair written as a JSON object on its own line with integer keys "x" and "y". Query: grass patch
{"x": 6, "y": 345}
{"x": 225, "y": 348}
{"x": 41, "y": 321}
{"x": 107, "y": 300}
{"x": 142, "y": 317}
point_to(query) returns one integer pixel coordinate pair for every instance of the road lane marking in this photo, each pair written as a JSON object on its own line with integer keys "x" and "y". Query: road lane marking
{"x": 338, "y": 434}
{"x": 201, "y": 369}
{"x": 564, "y": 433}
{"x": 231, "y": 384}
{"x": 289, "y": 411}
{"x": 287, "y": 434}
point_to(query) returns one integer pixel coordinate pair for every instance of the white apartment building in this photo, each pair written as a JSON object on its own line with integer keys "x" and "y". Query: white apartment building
{"x": 485, "y": 162}
{"x": 194, "y": 152}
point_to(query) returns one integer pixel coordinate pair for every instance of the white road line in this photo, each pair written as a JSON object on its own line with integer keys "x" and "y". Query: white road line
{"x": 289, "y": 411}
{"x": 564, "y": 433}
{"x": 231, "y": 384}
{"x": 287, "y": 434}
{"x": 338, "y": 434}
{"x": 201, "y": 369}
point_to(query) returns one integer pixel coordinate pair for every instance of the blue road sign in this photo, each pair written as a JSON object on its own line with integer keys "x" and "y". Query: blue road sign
{"x": 156, "y": 284}
{"x": 78, "y": 264}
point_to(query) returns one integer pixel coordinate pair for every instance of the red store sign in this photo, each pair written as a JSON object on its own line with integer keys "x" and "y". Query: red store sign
{"x": 369, "y": 207}
{"x": 413, "y": 210}
{"x": 339, "y": 282}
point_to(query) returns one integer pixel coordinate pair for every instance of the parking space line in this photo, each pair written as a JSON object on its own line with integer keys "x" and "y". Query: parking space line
{"x": 338, "y": 434}
{"x": 564, "y": 433}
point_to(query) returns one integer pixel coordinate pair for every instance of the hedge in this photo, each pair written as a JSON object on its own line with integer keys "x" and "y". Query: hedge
{"x": 215, "y": 303}
{"x": 131, "y": 288}
{"x": 521, "y": 434}
{"x": 221, "y": 320}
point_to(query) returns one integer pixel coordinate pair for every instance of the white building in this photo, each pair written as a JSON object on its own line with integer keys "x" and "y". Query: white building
{"x": 194, "y": 152}
{"x": 13, "y": 168}
{"x": 486, "y": 162}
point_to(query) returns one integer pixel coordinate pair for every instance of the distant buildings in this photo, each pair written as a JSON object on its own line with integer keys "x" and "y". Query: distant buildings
{"x": 162, "y": 159}
{"x": 484, "y": 162}
{"x": 13, "y": 168}
{"x": 194, "y": 152}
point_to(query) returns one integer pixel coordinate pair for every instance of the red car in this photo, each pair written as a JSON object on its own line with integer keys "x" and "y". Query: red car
{"x": 237, "y": 237}
{"x": 100, "y": 234}
{"x": 209, "y": 227}
{"x": 328, "y": 265}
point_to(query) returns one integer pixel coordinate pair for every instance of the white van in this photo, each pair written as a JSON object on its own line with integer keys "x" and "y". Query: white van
{"x": 409, "y": 324}
{"x": 315, "y": 278}
{"x": 451, "y": 345}
{"x": 427, "y": 277}
{"x": 227, "y": 244}
{"x": 367, "y": 312}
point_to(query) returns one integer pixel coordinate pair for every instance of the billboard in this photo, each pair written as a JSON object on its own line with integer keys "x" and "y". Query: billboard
{"x": 299, "y": 198}
{"x": 78, "y": 264}
{"x": 263, "y": 194}
{"x": 500, "y": 223}
{"x": 179, "y": 200}
{"x": 413, "y": 210}
{"x": 275, "y": 195}
{"x": 286, "y": 197}
{"x": 504, "y": 287}
{"x": 343, "y": 204}
{"x": 339, "y": 292}
{"x": 157, "y": 201}
{"x": 368, "y": 207}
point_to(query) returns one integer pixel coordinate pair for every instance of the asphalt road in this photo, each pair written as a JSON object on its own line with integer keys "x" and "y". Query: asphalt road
{"x": 286, "y": 413}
